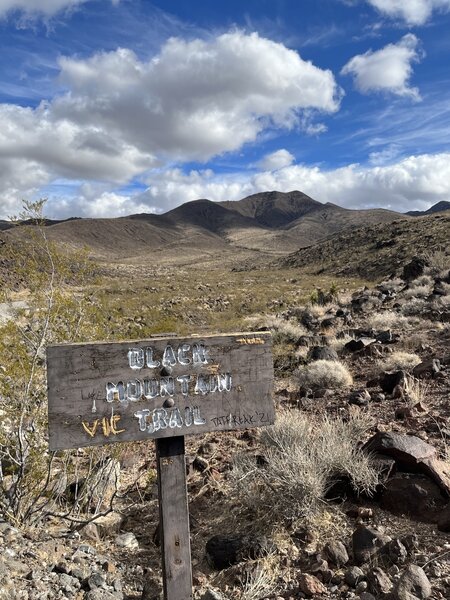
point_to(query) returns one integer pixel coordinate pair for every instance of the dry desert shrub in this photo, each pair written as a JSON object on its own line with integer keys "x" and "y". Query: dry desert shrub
{"x": 302, "y": 458}
{"x": 387, "y": 319}
{"x": 417, "y": 391}
{"x": 418, "y": 291}
{"x": 444, "y": 301}
{"x": 283, "y": 330}
{"x": 261, "y": 581}
{"x": 393, "y": 285}
{"x": 324, "y": 374}
{"x": 338, "y": 343}
{"x": 422, "y": 280}
{"x": 415, "y": 306}
{"x": 400, "y": 360}
{"x": 438, "y": 262}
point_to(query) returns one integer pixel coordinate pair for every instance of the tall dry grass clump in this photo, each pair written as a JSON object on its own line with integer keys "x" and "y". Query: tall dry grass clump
{"x": 324, "y": 374}
{"x": 303, "y": 458}
{"x": 400, "y": 360}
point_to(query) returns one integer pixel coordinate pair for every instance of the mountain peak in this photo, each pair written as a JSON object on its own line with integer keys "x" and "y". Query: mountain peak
{"x": 274, "y": 209}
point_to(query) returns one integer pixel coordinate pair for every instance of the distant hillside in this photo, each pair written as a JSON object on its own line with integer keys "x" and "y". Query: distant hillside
{"x": 439, "y": 207}
{"x": 374, "y": 251}
{"x": 211, "y": 216}
{"x": 263, "y": 226}
{"x": 274, "y": 209}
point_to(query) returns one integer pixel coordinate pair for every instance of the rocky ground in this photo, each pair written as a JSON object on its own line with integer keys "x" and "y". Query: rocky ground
{"x": 394, "y": 544}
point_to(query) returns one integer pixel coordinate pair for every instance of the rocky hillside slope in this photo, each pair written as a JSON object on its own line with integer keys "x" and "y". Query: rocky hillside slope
{"x": 373, "y": 251}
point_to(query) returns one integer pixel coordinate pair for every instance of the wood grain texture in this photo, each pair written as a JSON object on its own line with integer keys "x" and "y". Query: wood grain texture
{"x": 79, "y": 375}
{"x": 174, "y": 519}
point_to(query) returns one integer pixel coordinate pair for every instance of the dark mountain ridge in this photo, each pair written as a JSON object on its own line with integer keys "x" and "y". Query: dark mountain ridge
{"x": 439, "y": 207}
{"x": 268, "y": 223}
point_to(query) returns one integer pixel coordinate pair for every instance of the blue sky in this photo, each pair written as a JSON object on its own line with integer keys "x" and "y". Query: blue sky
{"x": 113, "y": 107}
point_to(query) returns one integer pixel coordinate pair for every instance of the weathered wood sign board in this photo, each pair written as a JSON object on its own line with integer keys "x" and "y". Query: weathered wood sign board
{"x": 162, "y": 387}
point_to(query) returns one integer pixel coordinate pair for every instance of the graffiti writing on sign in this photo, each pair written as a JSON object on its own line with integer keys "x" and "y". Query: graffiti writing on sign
{"x": 150, "y": 387}
{"x": 160, "y": 387}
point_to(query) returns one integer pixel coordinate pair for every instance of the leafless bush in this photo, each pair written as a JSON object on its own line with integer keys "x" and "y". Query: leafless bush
{"x": 303, "y": 457}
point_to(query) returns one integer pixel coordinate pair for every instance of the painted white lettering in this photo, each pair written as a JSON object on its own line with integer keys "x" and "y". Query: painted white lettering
{"x": 188, "y": 416}
{"x": 142, "y": 416}
{"x": 115, "y": 392}
{"x": 136, "y": 358}
{"x": 175, "y": 418}
{"x": 134, "y": 390}
{"x": 183, "y": 359}
{"x": 151, "y": 388}
{"x": 151, "y": 364}
{"x": 169, "y": 358}
{"x": 212, "y": 384}
{"x": 201, "y": 386}
{"x": 199, "y": 354}
{"x": 159, "y": 419}
{"x": 184, "y": 380}
{"x": 166, "y": 386}
{"x": 198, "y": 419}
{"x": 224, "y": 381}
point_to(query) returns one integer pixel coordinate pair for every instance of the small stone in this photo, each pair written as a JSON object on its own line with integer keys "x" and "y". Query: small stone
{"x": 200, "y": 464}
{"x": 127, "y": 540}
{"x": 337, "y": 553}
{"x": 366, "y": 543}
{"x": 86, "y": 549}
{"x": 379, "y": 583}
{"x": 90, "y": 532}
{"x": 413, "y": 583}
{"x": 367, "y": 596}
{"x": 310, "y": 585}
{"x": 96, "y": 580}
{"x": 353, "y": 576}
{"x": 361, "y": 587}
{"x": 109, "y": 524}
{"x": 360, "y": 398}
{"x": 108, "y": 567}
{"x": 327, "y": 575}
{"x": 212, "y": 594}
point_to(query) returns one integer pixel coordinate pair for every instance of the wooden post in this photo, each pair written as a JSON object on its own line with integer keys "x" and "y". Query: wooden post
{"x": 174, "y": 518}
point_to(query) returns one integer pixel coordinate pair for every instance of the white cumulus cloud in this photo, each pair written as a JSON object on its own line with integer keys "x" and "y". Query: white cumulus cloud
{"x": 386, "y": 70}
{"x": 411, "y": 183}
{"x": 412, "y": 12}
{"x": 196, "y": 99}
{"x": 276, "y": 160}
{"x": 121, "y": 116}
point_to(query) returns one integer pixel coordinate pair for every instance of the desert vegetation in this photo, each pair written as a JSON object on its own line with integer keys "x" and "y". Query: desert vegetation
{"x": 361, "y": 367}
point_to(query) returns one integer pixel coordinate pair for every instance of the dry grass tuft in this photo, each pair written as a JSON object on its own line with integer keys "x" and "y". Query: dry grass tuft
{"x": 303, "y": 457}
{"x": 283, "y": 330}
{"x": 438, "y": 262}
{"x": 400, "y": 360}
{"x": 387, "y": 319}
{"x": 324, "y": 374}
{"x": 261, "y": 581}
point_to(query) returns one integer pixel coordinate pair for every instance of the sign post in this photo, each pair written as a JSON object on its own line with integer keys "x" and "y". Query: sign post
{"x": 161, "y": 389}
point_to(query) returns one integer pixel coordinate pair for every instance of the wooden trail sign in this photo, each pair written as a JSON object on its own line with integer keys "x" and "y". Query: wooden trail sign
{"x": 161, "y": 389}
